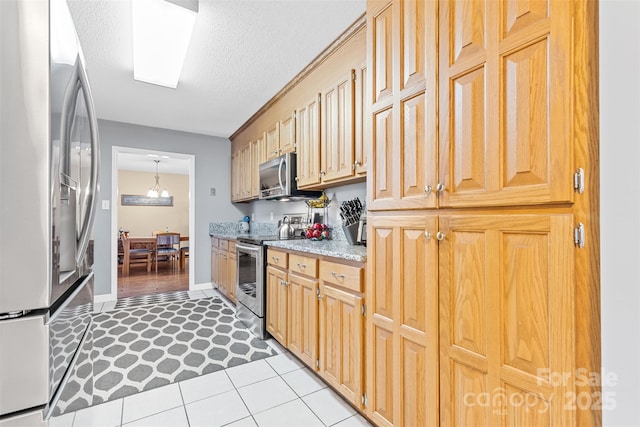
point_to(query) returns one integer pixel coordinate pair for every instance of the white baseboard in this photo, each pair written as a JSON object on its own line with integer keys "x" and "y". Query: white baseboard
{"x": 201, "y": 286}
{"x": 103, "y": 298}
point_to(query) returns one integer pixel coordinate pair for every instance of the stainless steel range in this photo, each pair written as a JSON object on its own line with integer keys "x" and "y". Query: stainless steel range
{"x": 251, "y": 287}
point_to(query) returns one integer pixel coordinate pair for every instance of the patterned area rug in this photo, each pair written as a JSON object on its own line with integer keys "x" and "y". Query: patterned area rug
{"x": 144, "y": 347}
{"x": 151, "y": 299}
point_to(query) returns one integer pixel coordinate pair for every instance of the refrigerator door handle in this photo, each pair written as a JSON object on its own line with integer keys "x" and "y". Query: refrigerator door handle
{"x": 87, "y": 221}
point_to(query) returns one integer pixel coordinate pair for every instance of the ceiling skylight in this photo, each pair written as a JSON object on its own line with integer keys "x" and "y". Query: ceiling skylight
{"x": 161, "y": 34}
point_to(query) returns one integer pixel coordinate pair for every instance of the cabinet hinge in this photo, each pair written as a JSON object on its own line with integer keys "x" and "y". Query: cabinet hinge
{"x": 578, "y": 235}
{"x": 578, "y": 181}
{"x": 364, "y": 399}
{"x": 353, "y": 74}
{"x": 364, "y": 309}
{"x": 317, "y": 363}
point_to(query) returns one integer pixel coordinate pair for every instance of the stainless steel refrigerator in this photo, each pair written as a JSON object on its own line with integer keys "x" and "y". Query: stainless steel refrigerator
{"x": 48, "y": 182}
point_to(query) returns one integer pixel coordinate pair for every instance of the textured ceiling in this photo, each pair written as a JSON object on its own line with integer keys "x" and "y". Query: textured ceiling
{"x": 242, "y": 53}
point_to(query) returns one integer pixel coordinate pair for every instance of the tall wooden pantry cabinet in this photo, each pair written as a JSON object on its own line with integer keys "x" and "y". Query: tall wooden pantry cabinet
{"x": 483, "y": 223}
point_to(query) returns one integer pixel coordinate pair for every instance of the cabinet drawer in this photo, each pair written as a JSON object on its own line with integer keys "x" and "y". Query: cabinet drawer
{"x": 214, "y": 242}
{"x": 232, "y": 247}
{"x": 223, "y": 245}
{"x": 277, "y": 258}
{"x": 346, "y": 276}
{"x": 303, "y": 265}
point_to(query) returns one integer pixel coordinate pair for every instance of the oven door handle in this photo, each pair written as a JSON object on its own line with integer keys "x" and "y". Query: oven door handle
{"x": 248, "y": 248}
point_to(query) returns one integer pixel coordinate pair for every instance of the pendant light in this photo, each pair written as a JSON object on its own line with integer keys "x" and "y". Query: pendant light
{"x": 155, "y": 190}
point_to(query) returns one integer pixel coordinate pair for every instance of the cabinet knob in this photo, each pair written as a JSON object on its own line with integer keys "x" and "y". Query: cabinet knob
{"x": 302, "y": 266}
{"x": 427, "y": 190}
{"x": 427, "y": 235}
{"x": 440, "y": 235}
{"x": 322, "y": 173}
{"x": 337, "y": 276}
{"x": 356, "y": 164}
{"x": 440, "y": 187}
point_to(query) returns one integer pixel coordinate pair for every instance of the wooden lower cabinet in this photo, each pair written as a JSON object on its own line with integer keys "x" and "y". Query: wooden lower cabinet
{"x": 214, "y": 262}
{"x": 303, "y": 318}
{"x": 223, "y": 268}
{"x": 342, "y": 341}
{"x": 232, "y": 272}
{"x": 469, "y": 319}
{"x": 402, "y": 321}
{"x": 277, "y": 304}
{"x": 315, "y": 309}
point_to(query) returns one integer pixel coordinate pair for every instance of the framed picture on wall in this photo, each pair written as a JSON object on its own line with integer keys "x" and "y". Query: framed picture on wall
{"x": 133, "y": 200}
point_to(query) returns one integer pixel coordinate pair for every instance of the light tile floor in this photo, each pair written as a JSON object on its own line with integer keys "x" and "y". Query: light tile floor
{"x": 278, "y": 391}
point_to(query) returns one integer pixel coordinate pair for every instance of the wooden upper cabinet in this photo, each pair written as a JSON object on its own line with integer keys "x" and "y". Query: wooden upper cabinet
{"x": 308, "y": 137}
{"x": 288, "y": 134}
{"x": 337, "y": 136}
{"x": 505, "y": 102}
{"x": 272, "y": 136}
{"x": 257, "y": 157}
{"x": 507, "y": 321}
{"x": 362, "y": 137}
{"x": 235, "y": 176}
{"x": 403, "y": 122}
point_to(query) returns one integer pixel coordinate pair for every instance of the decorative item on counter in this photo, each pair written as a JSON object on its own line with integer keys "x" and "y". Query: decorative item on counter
{"x": 321, "y": 202}
{"x": 318, "y": 231}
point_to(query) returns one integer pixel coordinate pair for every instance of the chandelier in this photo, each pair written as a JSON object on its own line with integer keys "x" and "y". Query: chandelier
{"x": 155, "y": 190}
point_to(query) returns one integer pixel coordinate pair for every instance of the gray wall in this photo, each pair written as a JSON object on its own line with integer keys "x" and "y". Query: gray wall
{"x": 261, "y": 210}
{"x": 620, "y": 209}
{"x": 212, "y": 169}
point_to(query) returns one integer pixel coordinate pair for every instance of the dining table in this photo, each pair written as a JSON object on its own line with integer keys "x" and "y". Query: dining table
{"x": 150, "y": 243}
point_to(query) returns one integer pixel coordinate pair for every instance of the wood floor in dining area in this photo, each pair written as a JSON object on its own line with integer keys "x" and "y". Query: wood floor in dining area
{"x": 139, "y": 282}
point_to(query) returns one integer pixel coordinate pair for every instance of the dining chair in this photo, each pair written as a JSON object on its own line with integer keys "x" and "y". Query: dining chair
{"x": 134, "y": 256}
{"x": 167, "y": 248}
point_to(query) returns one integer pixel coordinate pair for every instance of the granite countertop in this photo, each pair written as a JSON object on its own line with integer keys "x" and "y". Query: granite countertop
{"x": 332, "y": 248}
{"x": 337, "y": 248}
{"x": 232, "y": 236}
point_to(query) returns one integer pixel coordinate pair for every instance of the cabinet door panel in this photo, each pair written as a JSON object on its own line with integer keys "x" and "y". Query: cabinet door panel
{"x": 277, "y": 304}
{"x": 288, "y": 134}
{"x": 303, "y": 319}
{"x": 341, "y": 340}
{"x": 273, "y": 141}
{"x": 338, "y": 138}
{"x": 506, "y": 317}
{"x": 308, "y": 129}
{"x": 505, "y": 103}
{"x": 382, "y": 179}
{"x": 402, "y": 296}
{"x": 412, "y": 42}
{"x": 362, "y": 138}
{"x": 380, "y": 37}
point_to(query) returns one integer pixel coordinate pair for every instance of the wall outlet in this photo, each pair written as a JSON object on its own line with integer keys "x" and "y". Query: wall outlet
{"x": 105, "y": 205}
{"x": 270, "y": 216}
{"x": 213, "y": 191}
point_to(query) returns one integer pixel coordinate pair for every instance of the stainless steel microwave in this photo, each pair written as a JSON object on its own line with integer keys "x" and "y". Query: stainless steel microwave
{"x": 278, "y": 179}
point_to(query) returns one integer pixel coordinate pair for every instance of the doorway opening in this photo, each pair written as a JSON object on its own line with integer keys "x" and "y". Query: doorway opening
{"x": 133, "y": 172}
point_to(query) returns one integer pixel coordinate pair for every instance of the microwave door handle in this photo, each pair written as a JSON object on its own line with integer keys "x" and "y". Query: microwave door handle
{"x": 282, "y": 161}
{"x": 87, "y": 221}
